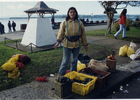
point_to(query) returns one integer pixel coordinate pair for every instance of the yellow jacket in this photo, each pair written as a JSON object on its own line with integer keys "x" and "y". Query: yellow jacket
{"x": 73, "y": 30}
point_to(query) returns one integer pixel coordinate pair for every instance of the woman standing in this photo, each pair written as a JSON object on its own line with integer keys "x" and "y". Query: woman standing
{"x": 72, "y": 34}
{"x": 122, "y": 23}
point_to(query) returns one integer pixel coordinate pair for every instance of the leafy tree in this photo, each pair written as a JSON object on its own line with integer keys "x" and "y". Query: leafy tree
{"x": 111, "y": 6}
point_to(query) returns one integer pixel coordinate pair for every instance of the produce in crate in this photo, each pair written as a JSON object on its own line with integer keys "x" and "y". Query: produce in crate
{"x": 111, "y": 57}
{"x": 81, "y": 88}
{"x": 111, "y": 63}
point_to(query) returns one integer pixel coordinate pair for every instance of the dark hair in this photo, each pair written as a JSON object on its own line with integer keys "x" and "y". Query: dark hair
{"x": 123, "y": 12}
{"x": 68, "y": 17}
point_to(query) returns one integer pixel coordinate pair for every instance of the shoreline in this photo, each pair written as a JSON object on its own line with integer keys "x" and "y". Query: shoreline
{"x": 85, "y": 24}
{"x": 19, "y": 33}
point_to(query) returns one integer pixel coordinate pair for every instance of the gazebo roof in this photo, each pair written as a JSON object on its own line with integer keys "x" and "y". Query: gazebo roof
{"x": 41, "y": 7}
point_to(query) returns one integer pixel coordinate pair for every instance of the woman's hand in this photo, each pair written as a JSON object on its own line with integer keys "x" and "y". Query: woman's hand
{"x": 86, "y": 48}
{"x": 56, "y": 45}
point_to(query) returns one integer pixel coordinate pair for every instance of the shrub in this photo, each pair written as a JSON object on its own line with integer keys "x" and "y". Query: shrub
{"x": 102, "y": 21}
{"x": 128, "y": 23}
{"x": 97, "y": 21}
{"x": 116, "y": 26}
{"x": 91, "y": 22}
{"x": 136, "y": 24}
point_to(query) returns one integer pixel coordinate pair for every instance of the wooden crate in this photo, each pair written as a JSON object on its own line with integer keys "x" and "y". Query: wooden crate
{"x": 63, "y": 90}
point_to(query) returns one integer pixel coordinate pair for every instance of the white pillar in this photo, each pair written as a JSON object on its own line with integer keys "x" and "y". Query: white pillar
{"x": 39, "y": 32}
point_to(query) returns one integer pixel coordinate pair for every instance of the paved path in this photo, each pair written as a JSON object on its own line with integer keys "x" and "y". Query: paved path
{"x": 98, "y": 40}
{"x": 13, "y": 35}
{"x": 19, "y": 34}
{"x": 108, "y": 42}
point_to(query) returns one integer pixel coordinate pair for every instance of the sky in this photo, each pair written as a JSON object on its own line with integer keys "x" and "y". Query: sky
{"x": 16, "y": 8}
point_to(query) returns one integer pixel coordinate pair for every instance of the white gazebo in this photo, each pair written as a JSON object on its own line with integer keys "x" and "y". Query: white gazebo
{"x": 39, "y": 30}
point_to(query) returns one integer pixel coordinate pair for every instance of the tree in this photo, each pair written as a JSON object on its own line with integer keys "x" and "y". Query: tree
{"x": 111, "y": 6}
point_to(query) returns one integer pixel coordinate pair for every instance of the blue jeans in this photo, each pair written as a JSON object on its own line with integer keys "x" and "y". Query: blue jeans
{"x": 122, "y": 27}
{"x": 66, "y": 56}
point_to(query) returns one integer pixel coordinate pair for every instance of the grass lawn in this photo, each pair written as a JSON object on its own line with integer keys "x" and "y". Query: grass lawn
{"x": 46, "y": 62}
{"x": 42, "y": 63}
{"x": 133, "y": 34}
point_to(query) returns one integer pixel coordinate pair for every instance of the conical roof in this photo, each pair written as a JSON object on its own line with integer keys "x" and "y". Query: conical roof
{"x": 41, "y": 7}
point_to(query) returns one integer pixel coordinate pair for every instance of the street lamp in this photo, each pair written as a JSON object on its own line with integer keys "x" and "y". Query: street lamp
{"x": 91, "y": 16}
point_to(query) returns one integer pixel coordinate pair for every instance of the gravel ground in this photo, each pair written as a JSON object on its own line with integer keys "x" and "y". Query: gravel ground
{"x": 127, "y": 91}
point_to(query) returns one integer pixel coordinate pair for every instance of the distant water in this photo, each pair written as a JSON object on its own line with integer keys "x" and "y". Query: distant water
{"x": 25, "y": 21}
{"x": 17, "y": 21}
{"x": 21, "y": 21}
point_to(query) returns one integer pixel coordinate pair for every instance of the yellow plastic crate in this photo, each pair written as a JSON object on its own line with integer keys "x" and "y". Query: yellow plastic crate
{"x": 79, "y": 88}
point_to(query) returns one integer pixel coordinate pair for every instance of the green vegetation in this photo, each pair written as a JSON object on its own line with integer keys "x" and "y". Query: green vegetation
{"x": 133, "y": 34}
{"x": 136, "y": 24}
{"x": 128, "y": 24}
{"x": 46, "y": 62}
{"x": 97, "y": 32}
{"x": 42, "y": 63}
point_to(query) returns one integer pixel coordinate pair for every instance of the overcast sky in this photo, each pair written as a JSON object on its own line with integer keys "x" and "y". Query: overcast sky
{"x": 16, "y": 8}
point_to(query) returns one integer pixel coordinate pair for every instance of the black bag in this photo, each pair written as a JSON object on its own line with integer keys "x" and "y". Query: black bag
{"x": 83, "y": 58}
{"x": 72, "y": 38}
